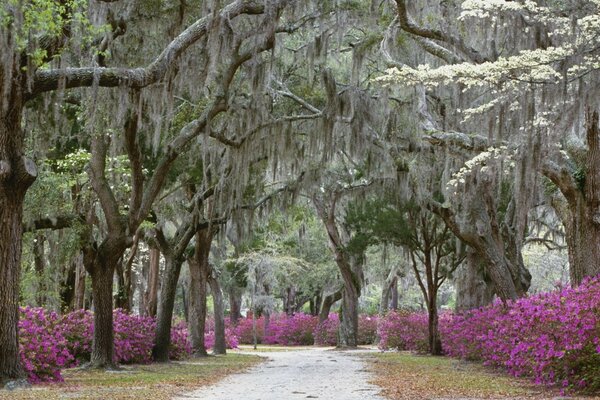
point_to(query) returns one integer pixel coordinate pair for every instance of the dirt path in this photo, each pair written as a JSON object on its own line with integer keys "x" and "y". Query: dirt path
{"x": 305, "y": 374}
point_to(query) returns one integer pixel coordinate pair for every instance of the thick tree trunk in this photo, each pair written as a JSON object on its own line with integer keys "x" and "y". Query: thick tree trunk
{"x": 220, "y": 346}
{"x": 16, "y": 176}
{"x": 11, "y": 209}
{"x": 582, "y": 221}
{"x": 328, "y": 302}
{"x": 197, "y": 307}
{"x": 473, "y": 290}
{"x": 435, "y": 343}
{"x": 348, "y": 333}
{"x": 103, "y": 344}
{"x": 166, "y": 302}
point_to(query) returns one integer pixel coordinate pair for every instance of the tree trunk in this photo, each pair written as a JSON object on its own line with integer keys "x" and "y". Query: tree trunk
{"x": 17, "y": 173}
{"x": 199, "y": 271}
{"x": 473, "y": 290}
{"x": 220, "y": 346}
{"x": 197, "y": 305}
{"x": 121, "y": 300}
{"x": 11, "y": 209}
{"x": 151, "y": 293}
{"x": 582, "y": 221}
{"x": 79, "y": 301}
{"x": 235, "y": 303}
{"x": 67, "y": 286}
{"x": 394, "y": 291}
{"x": 102, "y": 284}
{"x": 435, "y": 343}
{"x": 328, "y": 302}
{"x": 38, "y": 258}
{"x": 166, "y": 302}
{"x": 348, "y": 332}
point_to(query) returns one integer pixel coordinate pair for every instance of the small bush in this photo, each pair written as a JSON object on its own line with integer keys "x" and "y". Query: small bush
{"x": 43, "y": 348}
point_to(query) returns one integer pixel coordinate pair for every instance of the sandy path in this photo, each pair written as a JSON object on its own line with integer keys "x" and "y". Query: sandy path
{"x": 305, "y": 374}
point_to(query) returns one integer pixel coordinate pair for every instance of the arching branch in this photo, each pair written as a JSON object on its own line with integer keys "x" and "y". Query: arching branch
{"x": 48, "y": 80}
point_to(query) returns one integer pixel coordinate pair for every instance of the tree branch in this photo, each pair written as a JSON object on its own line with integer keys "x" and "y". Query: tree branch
{"x": 48, "y": 80}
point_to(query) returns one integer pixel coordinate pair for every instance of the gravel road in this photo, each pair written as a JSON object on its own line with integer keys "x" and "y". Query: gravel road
{"x": 305, "y": 374}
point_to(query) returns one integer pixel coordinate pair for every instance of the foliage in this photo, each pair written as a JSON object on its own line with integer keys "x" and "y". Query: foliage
{"x": 49, "y": 342}
{"x": 403, "y": 330}
{"x": 326, "y": 332}
{"x": 295, "y": 330}
{"x": 43, "y": 348}
{"x": 180, "y": 346}
{"x": 552, "y": 337}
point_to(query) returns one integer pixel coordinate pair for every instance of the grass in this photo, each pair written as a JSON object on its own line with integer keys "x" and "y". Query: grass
{"x": 152, "y": 381}
{"x": 404, "y": 375}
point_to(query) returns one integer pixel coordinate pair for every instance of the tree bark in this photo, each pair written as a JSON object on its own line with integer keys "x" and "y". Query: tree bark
{"x": 151, "y": 293}
{"x": 67, "y": 286}
{"x": 79, "y": 301}
{"x": 235, "y": 305}
{"x": 101, "y": 263}
{"x": 473, "y": 290}
{"x": 199, "y": 271}
{"x": 328, "y": 302}
{"x": 17, "y": 173}
{"x": 166, "y": 302}
{"x": 581, "y": 215}
{"x": 348, "y": 334}
{"x": 394, "y": 291}
{"x": 220, "y": 346}
{"x": 38, "y": 258}
{"x": 103, "y": 343}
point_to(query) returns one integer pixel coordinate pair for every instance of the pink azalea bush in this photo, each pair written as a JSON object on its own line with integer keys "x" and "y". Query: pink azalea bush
{"x": 243, "y": 330}
{"x": 552, "y": 337}
{"x": 231, "y": 339}
{"x": 181, "y": 347}
{"x": 367, "y": 329}
{"x": 43, "y": 349}
{"x": 49, "y": 343}
{"x": 326, "y": 332}
{"x": 295, "y": 330}
{"x": 403, "y": 330}
{"x": 134, "y": 337}
{"x": 77, "y": 327}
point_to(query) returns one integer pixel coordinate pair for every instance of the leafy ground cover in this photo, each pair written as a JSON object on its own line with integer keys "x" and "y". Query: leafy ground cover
{"x": 150, "y": 381}
{"x": 403, "y": 375}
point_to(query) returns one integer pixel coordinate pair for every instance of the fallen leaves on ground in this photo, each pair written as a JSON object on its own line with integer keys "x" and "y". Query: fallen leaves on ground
{"x": 403, "y": 375}
{"x": 152, "y": 381}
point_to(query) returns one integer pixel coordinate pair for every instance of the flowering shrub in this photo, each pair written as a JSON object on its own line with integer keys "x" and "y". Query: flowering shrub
{"x": 134, "y": 337}
{"x": 295, "y": 330}
{"x": 43, "y": 349}
{"x": 77, "y": 327}
{"x": 244, "y": 330}
{"x": 367, "y": 329}
{"x": 181, "y": 347}
{"x": 552, "y": 337}
{"x": 403, "y": 330}
{"x": 326, "y": 332}
{"x": 231, "y": 340}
